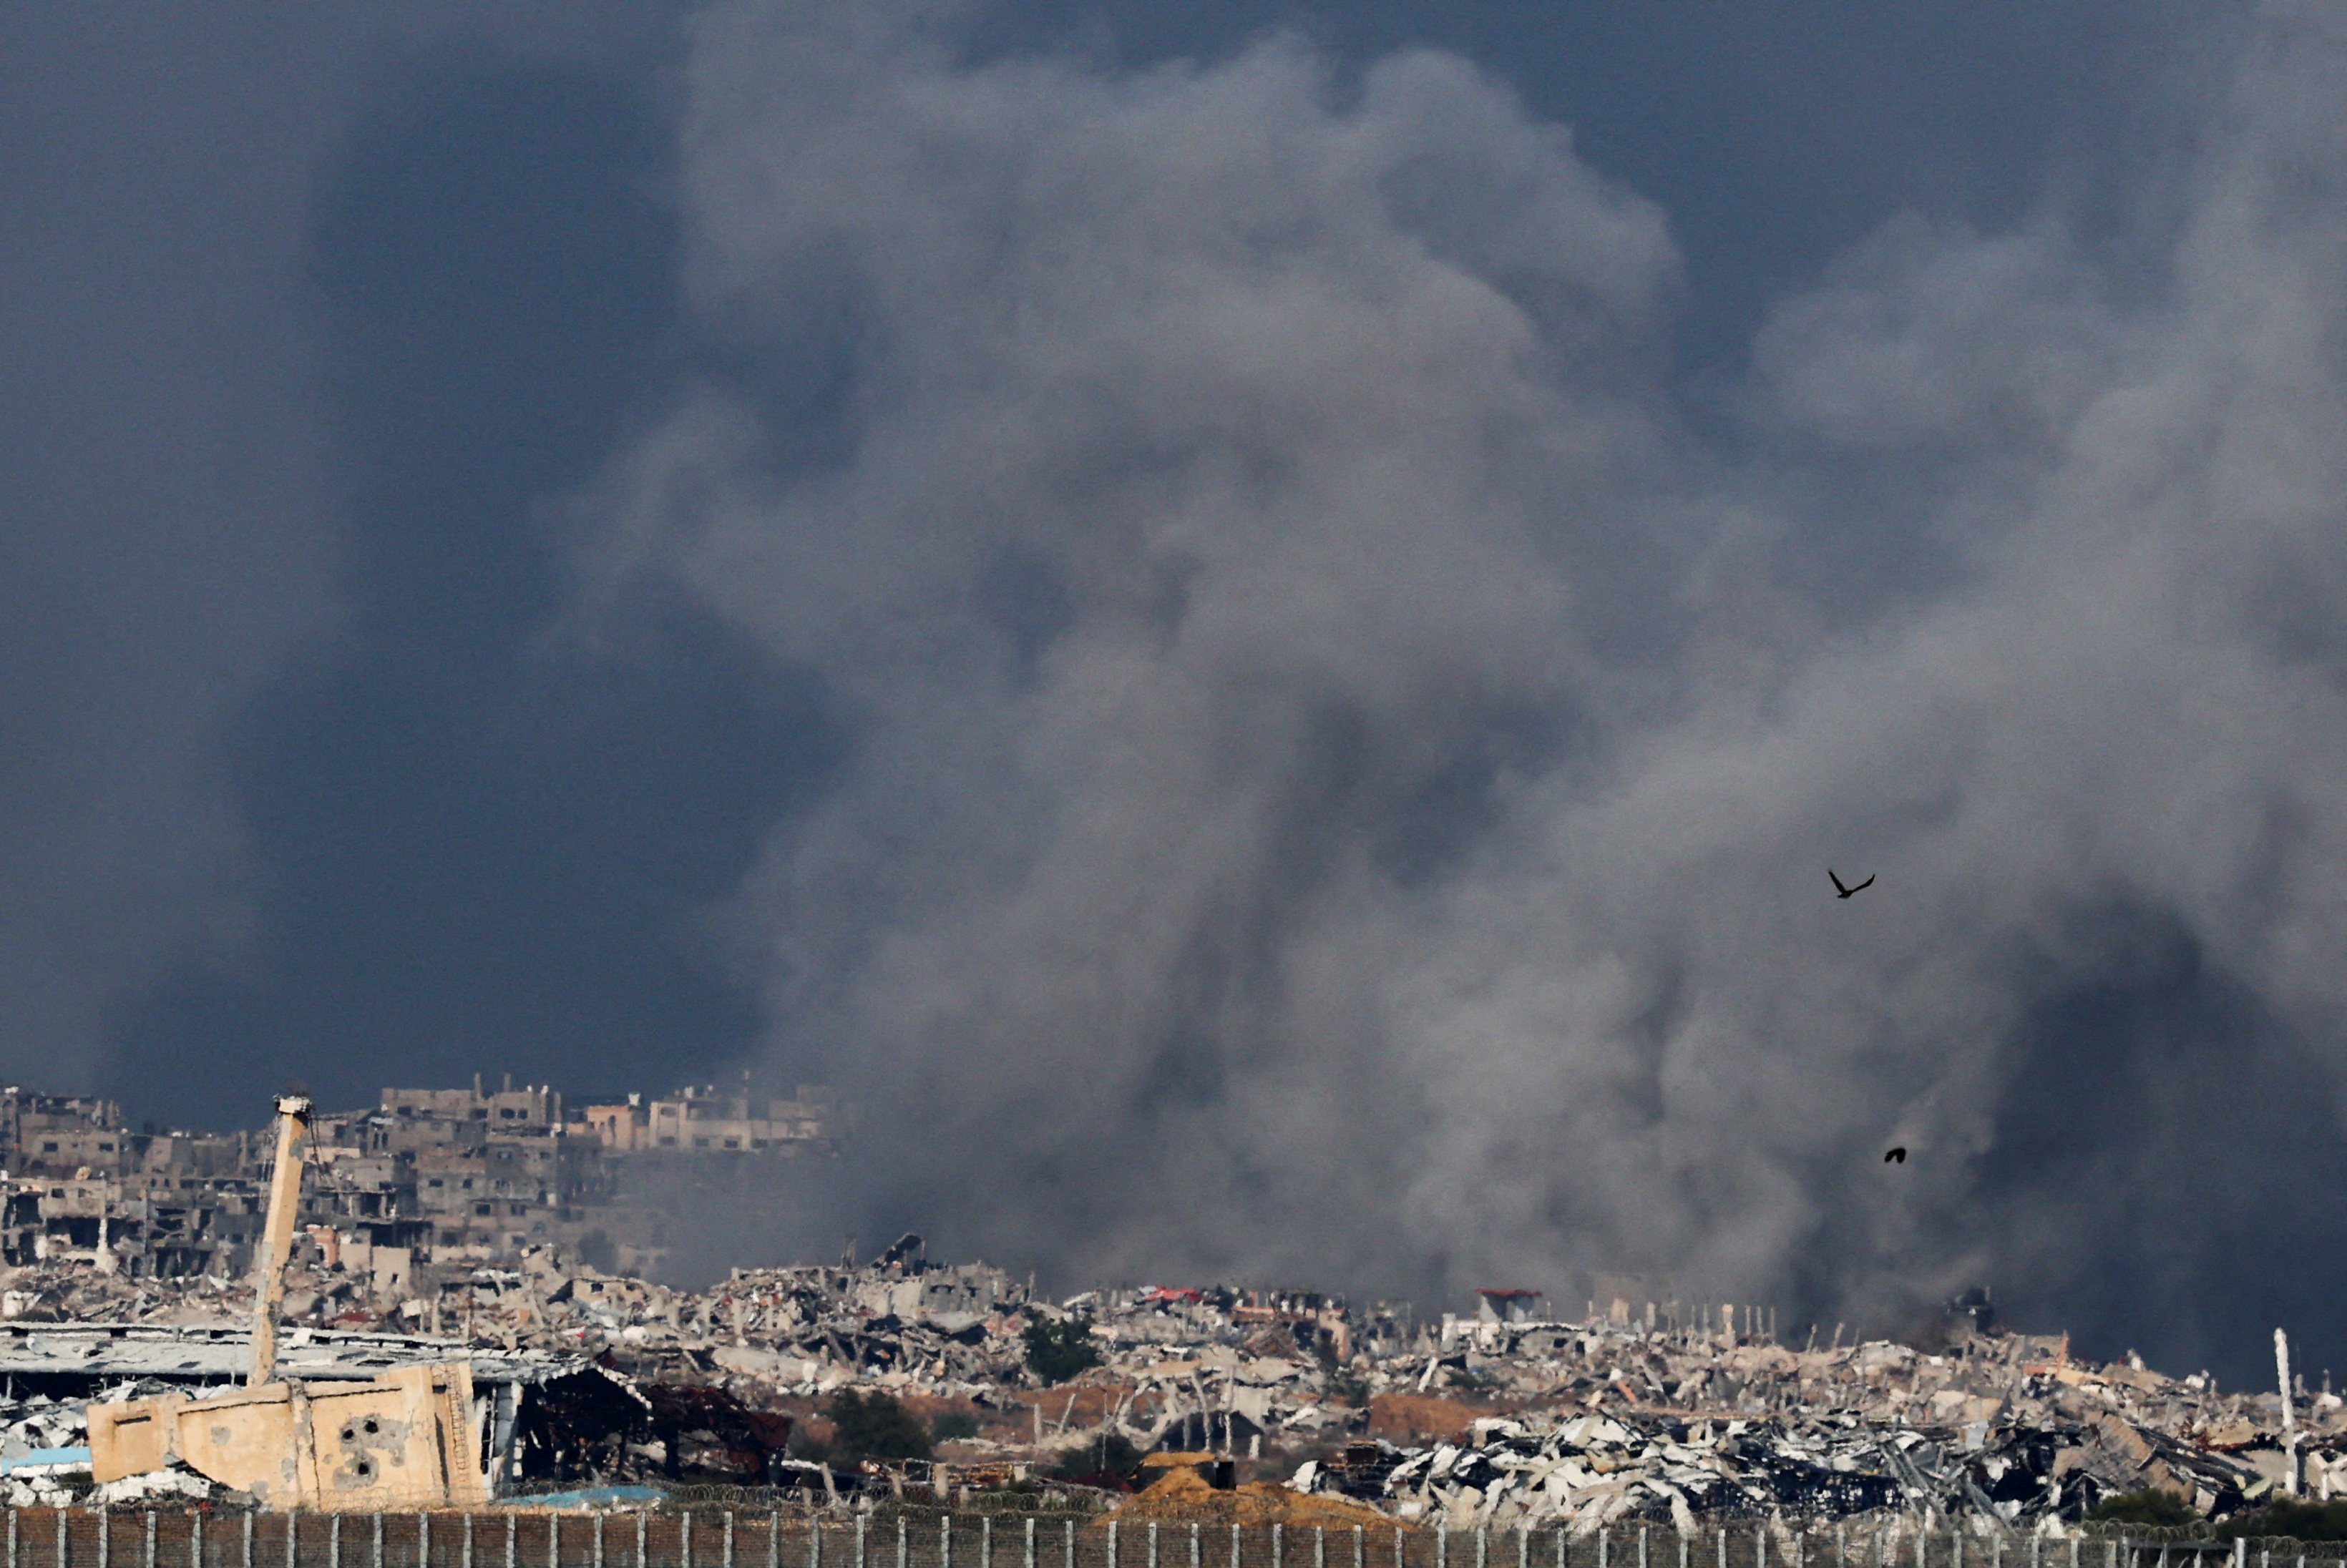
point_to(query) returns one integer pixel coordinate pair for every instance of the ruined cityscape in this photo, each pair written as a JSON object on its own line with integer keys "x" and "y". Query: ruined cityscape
{"x": 445, "y": 1302}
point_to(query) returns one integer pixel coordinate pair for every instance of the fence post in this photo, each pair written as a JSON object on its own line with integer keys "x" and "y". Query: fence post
{"x": 1441, "y": 1547}
{"x": 248, "y": 1541}
{"x": 464, "y": 1543}
{"x": 1360, "y": 1548}
{"x": 945, "y": 1541}
{"x": 1112, "y": 1545}
{"x": 1683, "y": 1550}
{"x": 1319, "y": 1546}
{"x": 12, "y": 1541}
{"x": 1483, "y": 1547}
{"x": 900, "y": 1541}
{"x": 726, "y": 1549}
{"x": 986, "y": 1535}
{"x": 1604, "y": 1544}
{"x": 1760, "y": 1547}
{"x": 1195, "y": 1552}
{"x": 195, "y": 1540}
{"x": 1722, "y": 1560}
{"x": 1276, "y": 1543}
{"x": 423, "y": 1539}
{"x": 334, "y": 1542}
{"x": 105, "y": 1536}
{"x": 683, "y": 1537}
{"x": 643, "y": 1529}
{"x": 595, "y": 1545}
{"x": 374, "y": 1542}
{"x": 1152, "y": 1544}
{"x": 150, "y": 1539}
{"x": 861, "y": 1520}
{"x": 1641, "y": 1549}
{"x": 1068, "y": 1540}
{"x": 292, "y": 1542}
{"x": 553, "y": 1538}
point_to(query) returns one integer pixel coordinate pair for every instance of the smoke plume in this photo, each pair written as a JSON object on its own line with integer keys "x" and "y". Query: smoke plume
{"x": 1346, "y": 765}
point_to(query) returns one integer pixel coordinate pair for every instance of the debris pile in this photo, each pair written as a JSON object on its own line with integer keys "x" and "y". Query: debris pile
{"x": 1657, "y": 1411}
{"x": 2007, "y": 1429}
{"x": 1494, "y": 1419}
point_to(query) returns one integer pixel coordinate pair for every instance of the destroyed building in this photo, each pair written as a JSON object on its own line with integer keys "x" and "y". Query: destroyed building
{"x": 474, "y": 1175}
{"x": 445, "y": 1226}
{"x": 1492, "y": 1420}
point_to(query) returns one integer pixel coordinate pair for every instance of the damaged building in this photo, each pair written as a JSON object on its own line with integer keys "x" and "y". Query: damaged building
{"x": 474, "y": 1175}
{"x": 131, "y": 1292}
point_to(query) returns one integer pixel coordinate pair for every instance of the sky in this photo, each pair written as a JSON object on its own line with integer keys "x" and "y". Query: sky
{"x": 1255, "y": 623}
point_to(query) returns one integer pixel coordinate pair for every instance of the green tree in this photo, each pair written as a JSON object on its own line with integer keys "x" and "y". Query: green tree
{"x": 1058, "y": 1352}
{"x": 875, "y": 1426}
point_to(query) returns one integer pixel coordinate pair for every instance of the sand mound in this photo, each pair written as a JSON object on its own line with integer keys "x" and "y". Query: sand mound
{"x": 1183, "y": 1496}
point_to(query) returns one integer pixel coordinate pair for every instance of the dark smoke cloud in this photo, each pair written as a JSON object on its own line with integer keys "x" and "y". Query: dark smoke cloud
{"x": 1343, "y": 776}
{"x": 1187, "y": 637}
{"x": 488, "y": 849}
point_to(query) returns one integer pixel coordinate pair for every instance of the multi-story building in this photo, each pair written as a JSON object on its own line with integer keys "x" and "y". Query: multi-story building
{"x": 452, "y": 1174}
{"x": 700, "y": 1120}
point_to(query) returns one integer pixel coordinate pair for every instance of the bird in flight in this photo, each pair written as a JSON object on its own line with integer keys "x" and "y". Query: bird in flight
{"x": 1846, "y": 892}
{"x": 1896, "y": 1157}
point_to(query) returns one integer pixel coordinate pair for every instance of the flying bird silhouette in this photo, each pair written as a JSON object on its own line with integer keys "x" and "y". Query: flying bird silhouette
{"x": 1848, "y": 892}
{"x": 1896, "y": 1157}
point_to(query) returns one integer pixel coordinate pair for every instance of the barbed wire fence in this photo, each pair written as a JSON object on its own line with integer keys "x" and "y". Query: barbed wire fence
{"x": 692, "y": 1529}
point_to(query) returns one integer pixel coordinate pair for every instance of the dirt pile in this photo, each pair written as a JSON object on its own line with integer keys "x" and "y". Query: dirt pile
{"x": 1183, "y": 1496}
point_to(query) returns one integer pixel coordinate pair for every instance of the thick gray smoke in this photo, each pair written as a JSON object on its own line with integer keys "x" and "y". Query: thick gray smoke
{"x": 1346, "y": 772}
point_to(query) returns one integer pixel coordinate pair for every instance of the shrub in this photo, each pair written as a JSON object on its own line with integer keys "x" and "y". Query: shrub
{"x": 875, "y": 1426}
{"x": 2298, "y": 1520}
{"x": 1058, "y": 1352}
{"x": 2151, "y": 1507}
{"x": 1111, "y": 1456}
{"x": 951, "y": 1424}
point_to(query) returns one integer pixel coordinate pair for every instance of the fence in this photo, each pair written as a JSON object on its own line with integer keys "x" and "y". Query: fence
{"x": 726, "y": 1538}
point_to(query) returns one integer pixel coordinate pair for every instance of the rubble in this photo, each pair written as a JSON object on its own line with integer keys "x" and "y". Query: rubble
{"x": 1483, "y": 1420}
{"x": 591, "y": 1377}
{"x": 1464, "y": 1421}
